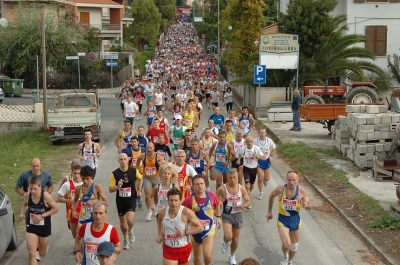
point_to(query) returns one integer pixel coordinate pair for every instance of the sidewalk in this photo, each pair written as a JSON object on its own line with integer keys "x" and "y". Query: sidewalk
{"x": 315, "y": 136}
{"x": 103, "y": 92}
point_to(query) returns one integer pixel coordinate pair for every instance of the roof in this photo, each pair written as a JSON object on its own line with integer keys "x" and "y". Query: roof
{"x": 95, "y": 3}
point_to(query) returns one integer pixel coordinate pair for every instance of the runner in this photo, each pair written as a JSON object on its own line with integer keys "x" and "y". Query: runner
{"x": 206, "y": 143}
{"x": 175, "y": 112}
{"x": 173, "y": 231}
{"x": 150, "y": 113}
{"x": 150, "y": 166}
{"x": 87, "y": 194}
{"x": 218, "y": 118}
{"x": 127, "y": 182}
{"x": 246, "y": 121}
{"x": 214, "y": 97}
{"x": 106, "y": 253}
{"x": 268, "y": 147}
{"x": 39, "y": 205}
{"x": 212, "y": 128}
{"x": 158, "y": 98}
{"x": 89, "y": 152}
{"x": 251, "y": 154}
{"x": 238, "y": 143}
{"x": 176, "y": 133}
{"x": 228, "y": 96}
{"x": 142, "y": 139}
{"x": 139, "y": 96}
{"x": 190, "y": 117}
{"x": 232, "y": 194}
{"x": 199, "y": 160}
{"x": 207, "y": 93}
{"x": 122, "y": 139}
{"x": 229, "y": 130}
{"x": 205, "y": 204}
{"x": 185, "y": 173}
{"x": 223, "y": 152}
{"x": 231, "y": 117}
{"x": 186, "y": 143}
{"x": 92, "y": 234}
{"x": 162, "y": 149}
{"x": 168, "y": 180}
{"x": 131, "y": 109}
{"x": 155, "y": 131}
{"x": 291, "y": 198}
{"x": 164, "y": 124}
{"x": 66, "y": 195}
{"x": 123, "y": 98}
{"x": 149, "y": 92}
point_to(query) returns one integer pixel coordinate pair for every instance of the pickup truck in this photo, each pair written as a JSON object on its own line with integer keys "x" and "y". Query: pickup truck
{"x": 74, "y": 111}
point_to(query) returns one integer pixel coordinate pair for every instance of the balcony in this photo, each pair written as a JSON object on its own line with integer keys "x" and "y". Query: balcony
{"x": 127, "y": 18}
{"x": 108, "y": 31}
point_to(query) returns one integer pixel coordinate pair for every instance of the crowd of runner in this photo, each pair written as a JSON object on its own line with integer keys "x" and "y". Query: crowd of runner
{"x": 167, "y": 167}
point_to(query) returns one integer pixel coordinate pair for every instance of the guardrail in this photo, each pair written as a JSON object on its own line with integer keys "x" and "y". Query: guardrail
{"x": 17, "y": 113}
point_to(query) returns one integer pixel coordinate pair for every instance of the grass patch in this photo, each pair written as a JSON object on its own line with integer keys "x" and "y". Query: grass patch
{"x": 332, "y": 152}
{"x": 327, "y": 177}
{"x": 17, "y": 150}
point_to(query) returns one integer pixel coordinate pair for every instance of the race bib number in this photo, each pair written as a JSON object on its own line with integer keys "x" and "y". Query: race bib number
{"x": 125, "y": 192}
{"x": 248, "y": 159}
{"x": 245, "y": 123}
{"x": 33, "y": 223}
{"x": 124, "y": 145}
{"x": 172, "y": 240}
{"x": 220, "y": 158}
{"x": 177, "y": 140}
{"x": 151, "y": 114}
{"x": 234, "y": 201}
{"x": 150, "y": 171}
{"x": 89, "y": 156}
{"x": 129, "y": 113}
{"x": 155, "y": 139}
{"x": 162, "y": 195}
{"x": 180, "y": 182}
{"x": 86, "y": 208}
{"x": 124, "y": 101}
{"x": 266, "y": 153}
{"x": 91, "y": 252}
{"x": 188, "y": 123}
{"x": 134, "y": 161}
{"x": 205, "y": 224}
{"x": 194, "y": 162}
{"x": 238, "y": 146}
{"x": 289, "y": 205}
{"x": 161, "y": 153}
{"x": 72, "y": 193}
{"x": 218, "y": 126}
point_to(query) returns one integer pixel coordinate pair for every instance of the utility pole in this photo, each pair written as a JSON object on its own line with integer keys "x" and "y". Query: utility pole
{"x": 218, "y": 45}
{"x": 43, "y": 27}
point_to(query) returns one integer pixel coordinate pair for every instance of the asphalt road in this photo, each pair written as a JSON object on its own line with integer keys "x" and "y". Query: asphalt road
{"x": 324, "y": 239}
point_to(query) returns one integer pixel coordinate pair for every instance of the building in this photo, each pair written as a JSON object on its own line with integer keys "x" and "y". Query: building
{"x": 379, "y": 20}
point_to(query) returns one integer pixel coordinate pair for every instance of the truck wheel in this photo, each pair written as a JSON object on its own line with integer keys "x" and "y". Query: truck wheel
{"x": 362, "y": 94}
{"x": 313, "y": 99}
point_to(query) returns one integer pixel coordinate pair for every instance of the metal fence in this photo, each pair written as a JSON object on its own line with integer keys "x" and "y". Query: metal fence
{"x": 17, "y": 113}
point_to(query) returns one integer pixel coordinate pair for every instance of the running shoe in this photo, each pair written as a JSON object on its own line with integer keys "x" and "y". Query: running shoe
{"x": 284, "y": 260}
{"x": 139, "y": 203}
{"x": 125, "y": 245}
{"x": 148, "y": 218}
{"x": 232, "y": 260}
{"x": 248, "y": 207}
{"x": 132, "y": 237}
{"x": 38, "y": 258}
{"x": 154, "y": 213}
{"x": 224, "y": 247}
{"x": 265, "y": 183}
{"x": 261, "y": 196}
{"x": 289, "y": 263}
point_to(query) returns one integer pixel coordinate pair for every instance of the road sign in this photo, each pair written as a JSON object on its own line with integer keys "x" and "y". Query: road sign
{"x": 198, "y": 19}
{"x": 109, "y": 55}
{"x": 72, "y": 57}
{"x": 108, "y": 63}
{"x": 260, "y": 74}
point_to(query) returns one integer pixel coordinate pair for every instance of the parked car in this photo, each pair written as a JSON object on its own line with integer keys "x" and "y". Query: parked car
{"x": 2, "y": 95}
{"x": 8, "y": 234}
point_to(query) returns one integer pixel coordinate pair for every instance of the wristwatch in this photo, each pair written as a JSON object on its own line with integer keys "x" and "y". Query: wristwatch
{"x": 43, "y": 215}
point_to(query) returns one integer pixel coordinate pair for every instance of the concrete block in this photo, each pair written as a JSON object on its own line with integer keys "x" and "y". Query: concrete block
{"x": 385, "y": 135}
{"x": 352, "y": 143}
{"x": 362, "y": 136}
{"x": 370, "y": 163}
{"x": 362, "y": 108}
{"x": 370, "y": 135}
{"x": 342, "y": 120}
{"x": 349, "y": 154}
{"x": 353, "y": 132}
{"x": 344, "y": 134}
{"x": 371, "y": 148}
{"x": 393, "y": 126}
{"x": 337, "y": 145}
{"x": 395, "y": 117}
{"x": 372, "y": 109}
{"x": 387, "y": 146}
{"x": 370, "y": 119}
{"x": 382, "y": 127}
{"x": 380, "y": 155}
{"x": 359, "y": 120}
{"x": 362, "y": 148}
{"x": 369, "y": 156}
{"x": 353, "y": 108}
{"x": 344, "y": 148}
{"x": 343, "y": 127}
{"x": 385, "y": 118}
{"x": 350, "y": 123}
{"x": 366, "y": 128}
{"x": 383, "y": 108}
{"x": 378, "y": 147}
{"x": 344, "y": 140}
{"x": 377, "y": 135}
{"x": 377, "y": 119}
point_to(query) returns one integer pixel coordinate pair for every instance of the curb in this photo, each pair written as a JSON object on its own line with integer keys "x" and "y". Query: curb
{"x": 348, "y": 220}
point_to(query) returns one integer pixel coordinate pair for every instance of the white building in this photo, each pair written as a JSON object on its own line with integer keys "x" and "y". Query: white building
{"x": 379, "y": 20}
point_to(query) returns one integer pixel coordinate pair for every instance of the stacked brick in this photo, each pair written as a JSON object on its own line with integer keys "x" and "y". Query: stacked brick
{"x": 367, "y": 130}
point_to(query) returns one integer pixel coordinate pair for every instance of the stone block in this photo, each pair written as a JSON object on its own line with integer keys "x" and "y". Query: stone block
{"x": 371, "y": 148}
{"x": 370, "y": 119}
{"x": 382, "y": 127}
{"x": 386, "y": 118}
{"x": 385, "y": 135}
{"x": 383, "y": 108}
{"x": 378, "y": 147}
{"x": 387, "y": 146}
{"x": 380, "y": 155}
{"x": 343, "y": 127}
{"x": 342, "y": 120}
{"x": 359, "y": 119}
{"x": 362, "y": 108}
{"x": 370, "y": 135}
{"x": 366, "y": 128}
{"x": 344, "y": 148}
{"x": 377, "y": 134}
{"x": 370, "y": 163}
{"x": 352, "y": 143}
{"x": 369, "y": 156}
{"x": 353, "y": 108}
{"x": 377, "y": 119}
{"x": 395, "y": 117}
{"x": 363, "y": 136}
{"x": 344, "y": 140}
{"x": 373, "y": 109}
{"x": 362, "y": 148}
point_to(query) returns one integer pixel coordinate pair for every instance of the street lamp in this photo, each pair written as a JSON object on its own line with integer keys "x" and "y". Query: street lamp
{"x": 79, "y": 68}
{"x": 218, "y": 70}
{"x": 230, "y": 27}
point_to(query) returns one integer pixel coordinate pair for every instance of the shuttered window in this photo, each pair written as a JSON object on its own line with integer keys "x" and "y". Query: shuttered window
{"x": 376, "y": 39}
{"x": 84, "y": 18}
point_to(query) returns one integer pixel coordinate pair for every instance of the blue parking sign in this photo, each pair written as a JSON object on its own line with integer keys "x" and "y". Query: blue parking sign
{"x": 260, "y": 74}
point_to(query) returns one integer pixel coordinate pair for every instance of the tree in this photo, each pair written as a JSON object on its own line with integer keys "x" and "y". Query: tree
{"x": 146, "y": 26}
{"x": 394, "y": 66}
{"x": 168, "y": 10}
{"x": 22, "y": 39}
{"x": 246, "y": 19}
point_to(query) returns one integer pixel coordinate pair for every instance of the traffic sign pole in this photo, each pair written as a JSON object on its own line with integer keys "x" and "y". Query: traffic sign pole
{"x": 260, "y": 77}
{"x": 259, "y": 104}
{"x": 112, "y": 75}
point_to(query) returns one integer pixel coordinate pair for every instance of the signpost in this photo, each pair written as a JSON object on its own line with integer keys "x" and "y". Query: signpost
{"x": 79, "y": 68}
{"x": 111, "y": 64}
{"x": 260, "y": 77}
{"x": 110, "y": 56}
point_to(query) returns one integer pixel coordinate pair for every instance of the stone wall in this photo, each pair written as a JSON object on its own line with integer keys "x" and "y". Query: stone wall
{"x": 7, "y": 127}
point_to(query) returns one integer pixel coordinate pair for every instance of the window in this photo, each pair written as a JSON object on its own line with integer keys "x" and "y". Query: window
{"x": 76, "y": 102}
{"x": 376, "y": 1}
{"x": 376, "y": 39}
{"x": 84, "y": 18}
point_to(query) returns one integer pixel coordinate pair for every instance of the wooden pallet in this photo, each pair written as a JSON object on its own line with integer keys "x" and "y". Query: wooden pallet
{"x": 375, "y": 141}
{"x": 384, "y": 170}
{"x": 382, "y": 177}
{"x": 395, "y": 208}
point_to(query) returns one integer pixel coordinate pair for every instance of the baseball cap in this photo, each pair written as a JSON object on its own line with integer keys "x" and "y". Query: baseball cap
{"x": 105, "y": 248}
{"x": 178, "y": 117}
